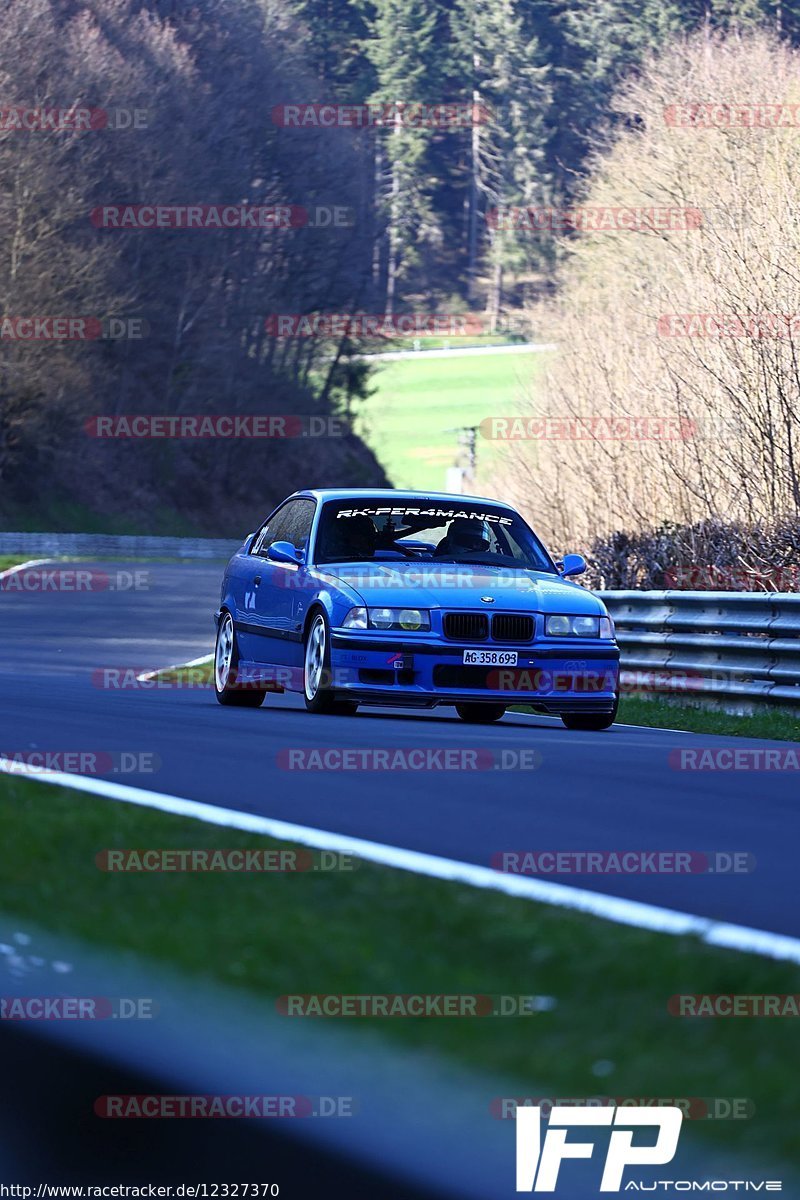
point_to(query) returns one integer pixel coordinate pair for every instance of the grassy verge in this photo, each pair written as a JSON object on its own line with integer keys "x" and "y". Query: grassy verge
{"x": 406, "y": 422}
{"x": 385, "y": 931}
{"x": 780, "y": 724}
{"x": 13, "y": 560}
{"x": 202, "y": 673}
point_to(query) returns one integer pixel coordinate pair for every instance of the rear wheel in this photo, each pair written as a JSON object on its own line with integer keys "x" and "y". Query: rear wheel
{"x": 480, "y": 714}
{"x": 228, "y": 688}
{"x": 591, "y": 722}
{"x": 317, "y": 678}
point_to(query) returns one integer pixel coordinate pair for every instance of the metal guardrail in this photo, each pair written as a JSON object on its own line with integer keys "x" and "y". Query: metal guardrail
{"x": 732, "y": 646}
{"x": 112, "y": 545}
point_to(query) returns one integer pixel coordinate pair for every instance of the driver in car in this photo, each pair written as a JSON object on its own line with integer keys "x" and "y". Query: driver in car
{"x": 463, "y": 537}
{"x": 352, "y": 539}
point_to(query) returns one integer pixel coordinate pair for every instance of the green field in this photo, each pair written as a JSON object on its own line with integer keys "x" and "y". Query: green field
{"x": 416, "y": 402}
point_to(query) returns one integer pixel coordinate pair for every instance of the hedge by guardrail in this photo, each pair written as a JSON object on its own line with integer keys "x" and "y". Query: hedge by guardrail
{"x": 726, "y": 645}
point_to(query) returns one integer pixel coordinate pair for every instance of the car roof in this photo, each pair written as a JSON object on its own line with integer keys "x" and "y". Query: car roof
{"x": 323, "y": 494}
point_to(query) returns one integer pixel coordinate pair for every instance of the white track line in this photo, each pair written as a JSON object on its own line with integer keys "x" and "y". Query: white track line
{"x": 457, "y": 352}
{"x": 196, "y": 662}
{"x": 609, "y": 908}
{"x": 34, "y": 562}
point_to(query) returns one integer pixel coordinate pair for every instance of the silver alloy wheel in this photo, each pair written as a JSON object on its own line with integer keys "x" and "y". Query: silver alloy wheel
{"x": 224, "y": 653}
{"x": 315, "y": 657}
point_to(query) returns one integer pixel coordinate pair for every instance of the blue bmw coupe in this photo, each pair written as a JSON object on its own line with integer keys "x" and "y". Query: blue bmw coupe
{"x": 414, "y": 599}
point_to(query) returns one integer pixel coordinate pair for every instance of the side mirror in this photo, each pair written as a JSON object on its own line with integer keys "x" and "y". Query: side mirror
{"x": 284, "y": 552}
{"x": 573, "y": 564}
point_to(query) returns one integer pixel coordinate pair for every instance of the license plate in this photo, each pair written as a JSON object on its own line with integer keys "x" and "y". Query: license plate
{"x": 490, "y": 658}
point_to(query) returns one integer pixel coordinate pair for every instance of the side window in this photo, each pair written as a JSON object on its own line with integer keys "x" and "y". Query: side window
{"x": 272, "y": 531}
{"x": 291, "y": 523}
{"x": 301, "y": 519}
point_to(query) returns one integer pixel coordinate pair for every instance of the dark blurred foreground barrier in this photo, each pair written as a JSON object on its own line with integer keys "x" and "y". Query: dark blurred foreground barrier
{"x": 732, "y": 646}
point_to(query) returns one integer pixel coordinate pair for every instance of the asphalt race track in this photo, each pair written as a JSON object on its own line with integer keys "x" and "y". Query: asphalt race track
{"x": 592, "y": 791}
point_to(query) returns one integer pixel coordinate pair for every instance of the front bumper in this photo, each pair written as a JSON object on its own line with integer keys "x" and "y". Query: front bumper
{"x": 554, "y": 678}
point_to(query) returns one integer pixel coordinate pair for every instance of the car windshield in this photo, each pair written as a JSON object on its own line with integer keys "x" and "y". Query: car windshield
{"x": 418, "y": 529}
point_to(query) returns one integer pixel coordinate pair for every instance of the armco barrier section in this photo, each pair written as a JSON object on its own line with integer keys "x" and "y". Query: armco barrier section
{"x": 730, "y": 645}
{"x": 112, "y": 545}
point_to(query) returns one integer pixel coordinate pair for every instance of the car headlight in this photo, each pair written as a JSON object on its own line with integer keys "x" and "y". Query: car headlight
{"x": 404, "y": 620}
{"x": 583, "y": 627}
{"x": 408, "y": 620}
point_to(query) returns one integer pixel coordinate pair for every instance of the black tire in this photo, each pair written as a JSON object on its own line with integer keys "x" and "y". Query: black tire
{"x": 317, "y": 675}
{"x": 227, "y": 687}
{"x": 591, "y": 722}
{"x": 480, "y": 714}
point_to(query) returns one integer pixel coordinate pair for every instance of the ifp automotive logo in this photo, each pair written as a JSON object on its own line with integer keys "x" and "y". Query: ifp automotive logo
{"x": 539, "y": 1161}
{"x": 538, "y": 1164}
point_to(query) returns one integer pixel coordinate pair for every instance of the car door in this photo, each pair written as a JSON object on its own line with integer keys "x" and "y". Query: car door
{"x": 247, "y": 625}
{"x": 276, "y": 604}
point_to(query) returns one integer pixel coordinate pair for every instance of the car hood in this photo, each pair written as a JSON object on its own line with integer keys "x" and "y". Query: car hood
{"x": 455, "y": 586}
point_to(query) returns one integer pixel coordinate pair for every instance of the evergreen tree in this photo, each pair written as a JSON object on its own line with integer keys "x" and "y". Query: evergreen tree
{"x": 510, "y": 89}
{"x": 403, "y": 52}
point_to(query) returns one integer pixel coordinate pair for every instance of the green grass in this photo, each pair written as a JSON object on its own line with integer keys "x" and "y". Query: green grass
{"x": 780, "y": 724}
{"x": 385, "y": 931}
{"x": 201, "y": 674}
{"x": 416, "y": 402}
{"x": 13, "y": 560}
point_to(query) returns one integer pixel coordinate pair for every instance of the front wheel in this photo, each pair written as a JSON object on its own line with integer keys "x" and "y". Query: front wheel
{"x": 317, "y": 678}
{"x": 591, "y": 722}
{"x": 480, "y": 714}
{"x": 227, "y": 687}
